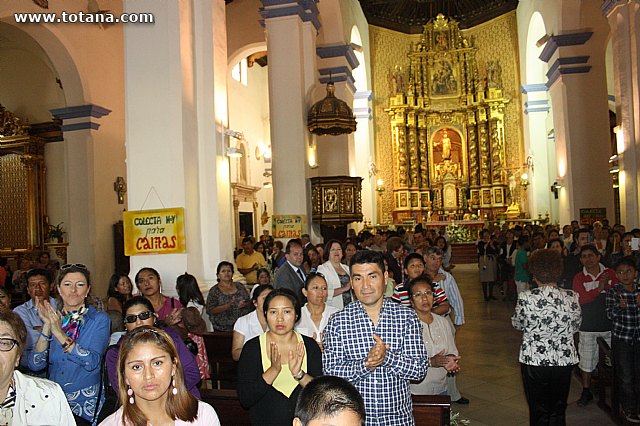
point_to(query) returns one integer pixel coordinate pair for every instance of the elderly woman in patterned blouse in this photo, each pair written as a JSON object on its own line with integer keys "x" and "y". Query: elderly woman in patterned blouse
{"x": 549, "y": 316}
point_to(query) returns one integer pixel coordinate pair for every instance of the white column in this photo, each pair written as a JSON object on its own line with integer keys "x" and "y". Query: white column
{"x": 623, "y": 18}
{"x": 176, "y": 110}
{"x": 292, "y": 73}
{"x": 578, "y": 95}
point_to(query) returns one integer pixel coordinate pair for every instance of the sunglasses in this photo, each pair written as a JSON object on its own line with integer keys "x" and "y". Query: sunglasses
{"x": 130, "y": 319}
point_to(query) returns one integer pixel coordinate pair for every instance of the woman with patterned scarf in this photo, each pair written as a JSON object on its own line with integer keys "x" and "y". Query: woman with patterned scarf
{"x": 72, "y": 342}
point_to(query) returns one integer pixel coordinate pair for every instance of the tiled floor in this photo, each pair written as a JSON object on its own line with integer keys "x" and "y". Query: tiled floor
{"x": 490, "y": 377}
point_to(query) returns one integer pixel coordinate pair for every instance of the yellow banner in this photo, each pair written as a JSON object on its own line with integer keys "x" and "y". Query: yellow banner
{"x": 154, "y": 232}
{"x": 289, "y": 226}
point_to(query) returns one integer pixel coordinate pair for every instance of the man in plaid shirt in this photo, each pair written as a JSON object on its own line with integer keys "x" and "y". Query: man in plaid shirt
{"x": 376, "y": 344}
{"x": 623, "y": 308}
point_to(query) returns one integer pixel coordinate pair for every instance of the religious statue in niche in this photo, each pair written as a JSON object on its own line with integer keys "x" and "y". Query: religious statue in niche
{"x": 443, "y": 79}
{"x": 447, "y": 145}
{"x": 396, "y": 80}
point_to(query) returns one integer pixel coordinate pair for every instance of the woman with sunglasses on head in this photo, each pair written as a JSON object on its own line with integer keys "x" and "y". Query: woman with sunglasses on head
{"x": 26, "y": 400}
{"x": 138, "y": 312}
{"x": 167, "y": 309}
{"x": 72, "y": 342}
{"x": 152, "y": 388}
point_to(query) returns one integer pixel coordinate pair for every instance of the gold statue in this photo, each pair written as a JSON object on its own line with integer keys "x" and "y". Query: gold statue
{"x": 446, "y": 146}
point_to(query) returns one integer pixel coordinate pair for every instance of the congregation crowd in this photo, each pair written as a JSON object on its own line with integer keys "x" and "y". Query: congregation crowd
{"x": 370, "y": 320}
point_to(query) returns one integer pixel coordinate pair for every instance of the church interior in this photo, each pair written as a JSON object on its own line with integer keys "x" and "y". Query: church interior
{"x": 318, "y": 117}
{"x": 467, "y": 112}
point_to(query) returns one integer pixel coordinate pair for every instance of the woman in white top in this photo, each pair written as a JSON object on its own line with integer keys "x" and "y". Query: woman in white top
{"x": 438, "y": 337}
{"x": 251, "y": 325}
{"x": 337, "y": 275}
{"x": 315, "y": 313}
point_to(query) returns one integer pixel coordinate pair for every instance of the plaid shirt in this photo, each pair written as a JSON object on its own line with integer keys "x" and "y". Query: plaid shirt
{"x": 626, "y": 321}
{"x": 347, "y": 340}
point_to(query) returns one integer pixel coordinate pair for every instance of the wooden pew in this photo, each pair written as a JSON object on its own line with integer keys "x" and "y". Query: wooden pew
{"x": 428, "y": 410}
{"x": 606, "y": 385}
{"x": 223, "y": 368}
{"x": 431, "y": 410}
{"x": 227, "y": 406}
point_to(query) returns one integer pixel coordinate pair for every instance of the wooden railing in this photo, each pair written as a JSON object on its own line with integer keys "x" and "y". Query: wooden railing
{"x": 428, "y": 410}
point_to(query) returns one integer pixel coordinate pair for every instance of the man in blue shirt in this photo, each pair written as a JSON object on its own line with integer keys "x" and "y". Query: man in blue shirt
{"x": 376, "y": 344}
{"x": 39, "y": 288}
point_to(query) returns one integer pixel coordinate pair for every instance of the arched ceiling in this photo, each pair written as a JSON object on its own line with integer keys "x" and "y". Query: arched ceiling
{"x": 409, "y": 16}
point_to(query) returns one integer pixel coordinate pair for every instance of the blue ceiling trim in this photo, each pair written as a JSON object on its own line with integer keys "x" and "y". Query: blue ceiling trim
{"x": 570, "y": 70}
{"x": 556, "y": 41}
{"x": 368, "y": 95}
{"x": 538, "y": 109}
{"x": 80, "y": 126}
{"x": 335, "y": 70}
{"x": 345, "y": 50}
{"x": 536, "y": 87}
{"x": 339, "y": 78}
{"x": 572, "y": 60}
{"x": 80, "y": 111}
{"x": 538, "y": 102}
{"x": 305, "y": 9}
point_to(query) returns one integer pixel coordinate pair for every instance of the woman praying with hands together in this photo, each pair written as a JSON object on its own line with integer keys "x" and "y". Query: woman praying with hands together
{"x": 275, "y": 366}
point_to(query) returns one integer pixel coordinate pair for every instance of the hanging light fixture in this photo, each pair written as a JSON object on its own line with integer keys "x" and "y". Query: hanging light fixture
{"x": 331, "y": 116}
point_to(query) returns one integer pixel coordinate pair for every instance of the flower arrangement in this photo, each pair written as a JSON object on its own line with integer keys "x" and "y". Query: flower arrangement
{"x": 459, "y": 234}
{"x": 56, "y": 232}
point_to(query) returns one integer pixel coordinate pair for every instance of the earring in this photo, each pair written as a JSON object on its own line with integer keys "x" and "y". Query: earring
{"x": 130, "y": 393}
{"x": 174, "y": 390}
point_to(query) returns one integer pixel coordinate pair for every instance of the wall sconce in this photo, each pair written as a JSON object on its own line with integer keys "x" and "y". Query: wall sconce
{"x": 556, "y": 187}
{"x": 120, "y": 187}
{"x": 263, "y": 152}
{"x": 233, "y": 151}
{"x": 267, "y": 185}
{"x": 267, "y": 172}
{"x": 614, "y": 169}
{"x": 380, "y": 186}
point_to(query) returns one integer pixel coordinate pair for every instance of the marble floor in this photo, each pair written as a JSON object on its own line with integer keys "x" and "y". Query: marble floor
{"x": 490, "y": 378}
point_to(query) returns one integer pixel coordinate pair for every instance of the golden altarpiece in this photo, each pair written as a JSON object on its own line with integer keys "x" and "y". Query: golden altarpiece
{"x": 448, "y": 130}
{"x": 23, "y": 219}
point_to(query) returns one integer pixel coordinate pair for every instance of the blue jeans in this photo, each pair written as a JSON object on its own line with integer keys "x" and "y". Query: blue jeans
{"x": 626, "y": 357}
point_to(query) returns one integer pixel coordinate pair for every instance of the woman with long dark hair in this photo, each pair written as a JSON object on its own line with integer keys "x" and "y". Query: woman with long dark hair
{"x": 275, "y": 366}
{"x": 151, "y": 384}
{"x": 119, "y": 291}
{"x": 138, "y": 312}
